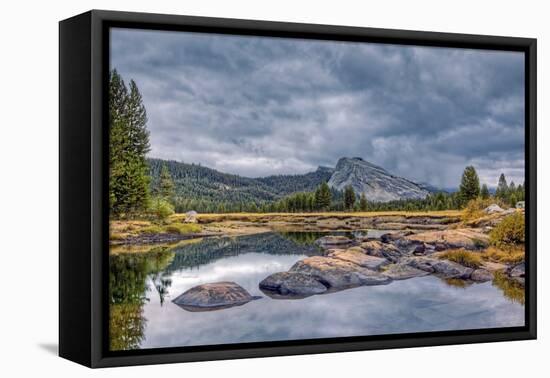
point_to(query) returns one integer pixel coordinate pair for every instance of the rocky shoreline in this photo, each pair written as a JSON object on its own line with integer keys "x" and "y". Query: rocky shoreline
{"x": 348, "y": 263}
{"x": 161, "y": 238}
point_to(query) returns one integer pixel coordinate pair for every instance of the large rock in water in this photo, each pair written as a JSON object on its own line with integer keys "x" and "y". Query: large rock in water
{"x": 403, "y": 272}
{"x": 213, "y": 296}
{"x": 291, "y": 284}
{"x": 466, "y": 238}
{"x": 481, "y": 275}
{"x": 357, "y": 256}
{"x": 379, "y": 249}
{"x": 338, "y": 274}
{"x": 444, "y": 268}
{"x": 378, "y": 184}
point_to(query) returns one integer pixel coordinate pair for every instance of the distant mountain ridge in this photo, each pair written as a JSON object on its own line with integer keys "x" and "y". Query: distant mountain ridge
{"x": 197, "y": 181}
{"x": 203, "y": 183}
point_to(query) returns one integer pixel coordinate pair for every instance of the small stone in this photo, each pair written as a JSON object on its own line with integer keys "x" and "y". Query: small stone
{"x": 481, "y": 275}
{"x": 517, "y": 270}
{"x": 492, "y": 209}
{"x": 520, "y": 205}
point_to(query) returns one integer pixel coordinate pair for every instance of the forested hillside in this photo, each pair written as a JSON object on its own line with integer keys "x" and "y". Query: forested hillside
{"x": 205, "y": 189}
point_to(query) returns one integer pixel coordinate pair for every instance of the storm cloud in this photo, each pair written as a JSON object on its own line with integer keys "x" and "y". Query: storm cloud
{"x": 259, "y": 106}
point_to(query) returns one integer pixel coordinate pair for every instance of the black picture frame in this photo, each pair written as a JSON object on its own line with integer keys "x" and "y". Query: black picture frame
{"x": 83, "y": 181}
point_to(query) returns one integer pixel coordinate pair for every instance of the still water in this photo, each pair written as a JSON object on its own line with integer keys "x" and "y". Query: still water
{"x": 142, "y": 286}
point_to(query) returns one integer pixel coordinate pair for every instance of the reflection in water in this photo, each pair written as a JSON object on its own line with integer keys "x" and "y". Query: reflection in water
{"x": 213, "y": 249}
{"x": 457, "y": 282}
{"x": 511, "y": 289}
{"x": 127, "y": 289}
{"x": 145, "y": 318}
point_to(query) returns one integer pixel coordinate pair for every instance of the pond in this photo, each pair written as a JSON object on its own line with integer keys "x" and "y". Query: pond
{"x": 142, "y": 286}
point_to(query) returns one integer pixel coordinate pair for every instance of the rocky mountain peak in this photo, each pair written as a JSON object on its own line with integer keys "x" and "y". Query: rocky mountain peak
{"x": 378, "y": 184}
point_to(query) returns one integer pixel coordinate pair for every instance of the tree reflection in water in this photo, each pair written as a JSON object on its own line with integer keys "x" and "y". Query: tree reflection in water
{"x": 127, "y": 294}
{"x": 129, "y": 272}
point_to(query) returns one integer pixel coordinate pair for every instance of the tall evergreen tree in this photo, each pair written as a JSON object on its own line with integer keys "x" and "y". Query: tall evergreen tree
{"x": 469, "y": 185}
{"x": 166, "y": 184}
{"x": 128, "y": 145}
{"x": 363, "y": 205}
{"x": 484, "y": 192}
{"x": 502, "y": 188}
{"x": 349, "y": 197}
{"x": 323, "y": 197}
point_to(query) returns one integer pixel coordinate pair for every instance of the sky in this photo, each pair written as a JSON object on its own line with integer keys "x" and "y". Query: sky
{"x": 258, "y": 106}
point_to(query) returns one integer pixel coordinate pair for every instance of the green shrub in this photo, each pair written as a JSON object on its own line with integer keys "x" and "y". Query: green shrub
{"x": 182, "y": 228}
{"x": 463, "y": 257}
{"x": 160, "y": 208}
{"x": 509, "y": 232}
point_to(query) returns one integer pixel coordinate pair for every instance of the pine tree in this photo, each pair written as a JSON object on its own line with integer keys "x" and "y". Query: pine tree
{"x": 323, "y": 197}
{"x": 128, "y": 145}
{"x": 484, "y": 192}
{"x": 349, "y": 197}
{"x": 469, "y": 185}
{"x": 363, "y": 205}
{"x": 166, "y": 185}
{"x": 502, "y": 188}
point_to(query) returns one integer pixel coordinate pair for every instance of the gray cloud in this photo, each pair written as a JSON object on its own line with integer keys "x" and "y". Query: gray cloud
{"x": 261, "y": 106}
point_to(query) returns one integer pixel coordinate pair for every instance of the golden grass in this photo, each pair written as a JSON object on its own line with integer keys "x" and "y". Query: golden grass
{"x": 463, "y": 257}
{"x": 312, "y": 217}
{"x": 122, "y": 229}
{"x": 509, "y": 232}
{"x": 512, "y": 255}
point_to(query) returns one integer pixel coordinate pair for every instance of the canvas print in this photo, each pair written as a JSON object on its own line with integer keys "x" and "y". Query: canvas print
{"x": 273, "y": 189}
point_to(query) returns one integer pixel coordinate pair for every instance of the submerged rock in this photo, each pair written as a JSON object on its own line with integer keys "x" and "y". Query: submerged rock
{"x": 292, "y": 284}
{"x": 332, "y": 240}
{"x": 338, "y": 274}
{"x": 357, "y": 256}
{"x": 213, "y": 296}
{"x": 403, "y": 272}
